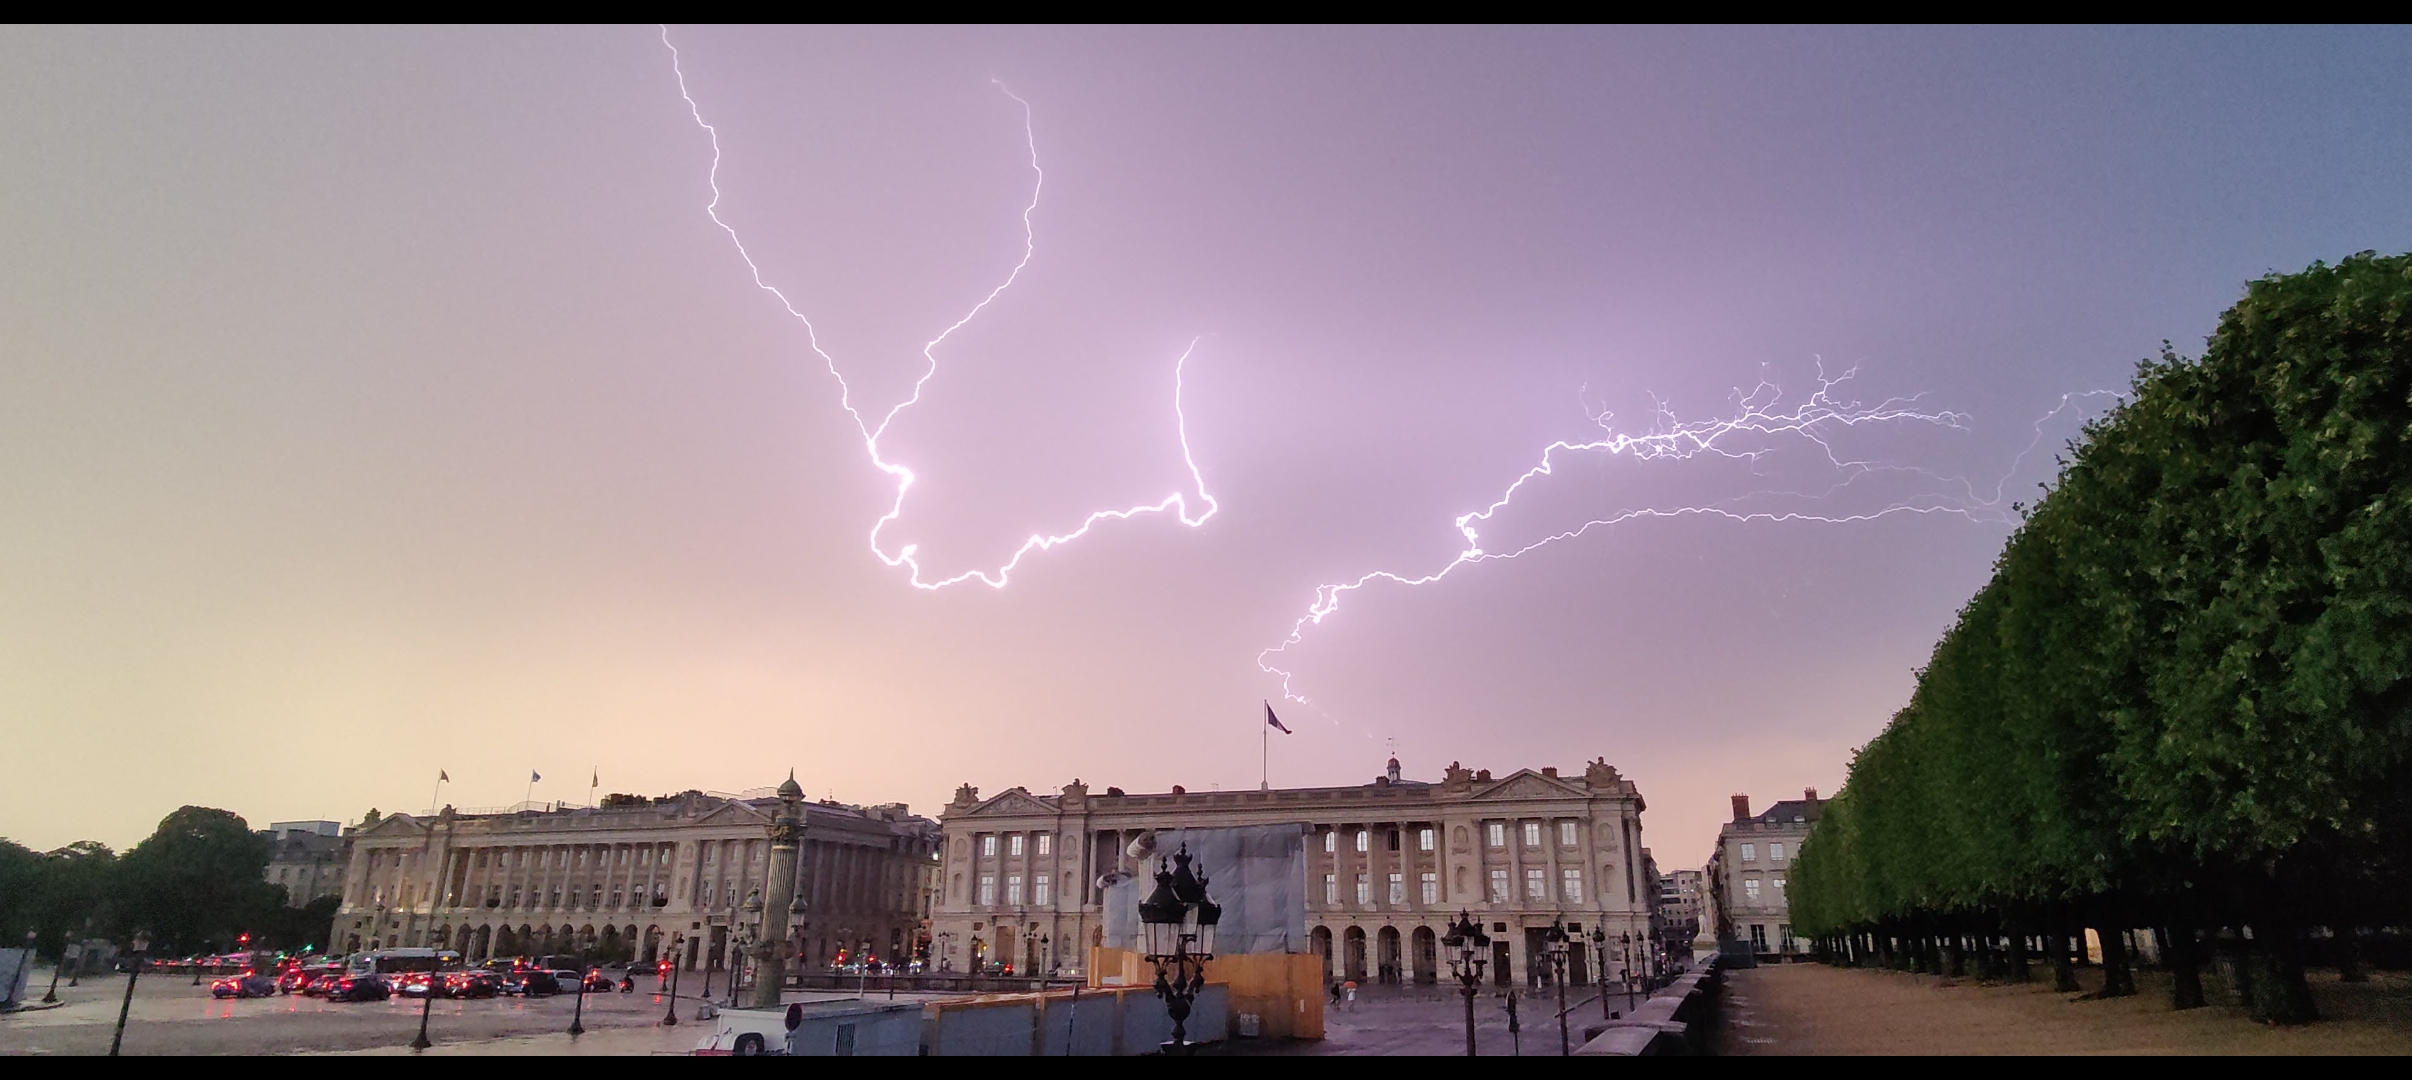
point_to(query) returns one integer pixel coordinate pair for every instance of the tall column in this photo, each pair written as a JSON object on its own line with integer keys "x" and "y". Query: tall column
{"x": 778, "y": 893}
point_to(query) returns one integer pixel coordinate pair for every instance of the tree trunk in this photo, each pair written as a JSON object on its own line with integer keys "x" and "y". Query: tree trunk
{"x": 2118, "y": 980}
{"x": 2064, "y": 971}
{"x": 1955, "y": 959}
{"x": 2185, "y": 967}
{"x": 2018, "y": 957}
{"x": 2280, "y": 996}
{"x": 2349, "y": 957}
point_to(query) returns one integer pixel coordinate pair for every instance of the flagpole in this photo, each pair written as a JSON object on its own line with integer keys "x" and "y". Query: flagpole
{"x": 531, "y": 789}
{"x": 436, "y": 800}
{"x": 1264, "y": 750}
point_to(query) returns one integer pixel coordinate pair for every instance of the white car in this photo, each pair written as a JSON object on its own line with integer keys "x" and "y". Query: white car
{"x": 746, "y": 1033}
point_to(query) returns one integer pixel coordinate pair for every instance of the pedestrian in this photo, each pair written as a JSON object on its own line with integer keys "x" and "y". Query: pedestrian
{"x": 1351, "y": 988}
{"x": 1335, "y": 993}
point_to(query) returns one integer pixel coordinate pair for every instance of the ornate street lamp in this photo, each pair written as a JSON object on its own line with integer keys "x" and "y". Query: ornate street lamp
{"x": 1178, "y": 923}
{"x": 1599, "y": 964}
{"x": 670, "y": 1014}
{"x": 1468, "y": 948}
{"x": 1553, "y": 945}
{"x": 142, "y": 944}
{"x": 1626, "y": 940}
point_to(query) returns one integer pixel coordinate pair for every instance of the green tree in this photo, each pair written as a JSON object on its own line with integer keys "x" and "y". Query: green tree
{"x": 196, "y": 881}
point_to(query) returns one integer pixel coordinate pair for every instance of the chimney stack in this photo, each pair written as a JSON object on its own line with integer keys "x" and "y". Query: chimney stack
{"x": 1809, "y": 794}
{"x": 1741, "y": 808}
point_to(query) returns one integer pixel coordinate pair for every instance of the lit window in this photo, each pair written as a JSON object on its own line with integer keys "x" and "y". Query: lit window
{"x": 1536, "y": 887}
{"x": 1566, "y": 834}
{"x": 1750, "y": 853}
{"x": 1431, "y": 885}
{"x": 1331, "y": 840}
{"x": 1778, "y": 883}
{"x": 1013, "y": 890}
{"x": 1571, "y": 885}
{"x": 1532, "y": 834}
{"x": 988, "y": 890}
{"x": 1775, "y": 852}
{"x": 1364, "y": 838}
{"x": 1331, "y": 890}
{"x": 1424, "y": 839}
{"x": 1750, "y": 888}
{"x": 1498, "y": 833}
{"x": 1013, "y": 845}
{"x": 1046, "y": 843}
{"x": 1499, "y": 886}
{"x": 988, "y": 847}
{"x": 1365, "y": 890}
{"x": 1398, "y": 888}
{"x": 1040, "y": 894}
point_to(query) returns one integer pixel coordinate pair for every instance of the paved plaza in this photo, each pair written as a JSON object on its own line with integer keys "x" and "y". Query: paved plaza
{"x": 1431, "y": 1020}
{"x": 1815, "y": 1009}
{"x": 172, "y": 1016}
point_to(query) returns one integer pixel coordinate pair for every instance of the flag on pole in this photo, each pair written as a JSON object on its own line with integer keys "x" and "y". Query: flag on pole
{"x": 443, "y": 777}
{"x": 534, "y": 776}
{"x": 596, "y": 782}
{"x": 1274, "y": 722}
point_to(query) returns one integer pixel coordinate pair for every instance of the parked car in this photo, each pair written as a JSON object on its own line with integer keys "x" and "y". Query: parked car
{"x": 358, "y": 988}
{"x": 599, "y": 983}
{"x": 246, "y": 985}
{"x": 470, "y": 984}
{"x": 412, "y": 983}
{"x": 532, "y": 982}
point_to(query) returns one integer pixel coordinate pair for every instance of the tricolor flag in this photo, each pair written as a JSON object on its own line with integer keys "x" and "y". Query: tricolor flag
{"x": 534, "y": 776}
{"x": 1274, "y": 722}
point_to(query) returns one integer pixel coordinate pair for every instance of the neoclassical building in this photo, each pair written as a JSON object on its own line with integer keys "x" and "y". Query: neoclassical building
{"x": 1746, "y": 873}
{"x": 630, "y": 875}
{"x": 1388, "y": 864}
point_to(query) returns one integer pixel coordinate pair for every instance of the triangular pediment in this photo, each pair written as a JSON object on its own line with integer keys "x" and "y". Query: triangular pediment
{"x": 1527, "y": 784}
{"x": 1010, "y": 802}
{"x": 393, "y": 825}
{"x": 732, "y": 811}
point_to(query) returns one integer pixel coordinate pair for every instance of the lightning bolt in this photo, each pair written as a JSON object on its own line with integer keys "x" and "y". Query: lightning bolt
{"x": 1761, "y": 421}
{"x": 904, "y": 556}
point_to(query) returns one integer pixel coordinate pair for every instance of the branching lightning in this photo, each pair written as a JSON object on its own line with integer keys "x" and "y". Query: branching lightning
{"x": 1758, "y": 422}
{"x": 1177, "y": 502}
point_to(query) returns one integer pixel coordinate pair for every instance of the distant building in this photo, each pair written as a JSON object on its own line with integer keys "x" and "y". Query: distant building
{"x": 1746, "y": 874}
{"x": 1389, "y": 865}
{"x": 629, "y": 876}
{"x": 307, "y": 858}
{"x": 1681, "y": 898}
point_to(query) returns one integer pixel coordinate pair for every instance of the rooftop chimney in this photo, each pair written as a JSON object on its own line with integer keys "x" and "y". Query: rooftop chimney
{"x": 1741, "y": 808}
{"x": 1809, "y": 793}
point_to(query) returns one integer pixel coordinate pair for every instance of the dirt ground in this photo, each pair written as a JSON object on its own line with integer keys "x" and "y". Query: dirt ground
{"x": 1815, "y": 1009}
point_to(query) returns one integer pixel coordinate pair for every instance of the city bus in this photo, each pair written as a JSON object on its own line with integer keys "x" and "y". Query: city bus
{"x": 386, "y": 963}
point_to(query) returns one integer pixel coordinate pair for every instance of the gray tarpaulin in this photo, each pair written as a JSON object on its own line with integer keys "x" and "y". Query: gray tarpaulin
{"x": 1257, "y": 873}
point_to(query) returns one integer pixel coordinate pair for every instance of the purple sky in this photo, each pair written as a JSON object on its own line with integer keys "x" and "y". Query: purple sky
{"x": 375, "y": 401}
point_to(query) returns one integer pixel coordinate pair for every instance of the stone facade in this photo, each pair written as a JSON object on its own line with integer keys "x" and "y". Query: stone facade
{"x": 1389, "y": 865}
{"x": 308, "y": 858}
{"x": 626, "y": 877}
{"x": 1746, "y": 874}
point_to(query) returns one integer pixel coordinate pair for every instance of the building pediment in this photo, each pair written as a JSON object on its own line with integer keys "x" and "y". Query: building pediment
{"x": 1527, "y": 784}
{"x": 732, "y": 812}
{"x": 1012, "y": 802}
{"x": 392, "y": 825}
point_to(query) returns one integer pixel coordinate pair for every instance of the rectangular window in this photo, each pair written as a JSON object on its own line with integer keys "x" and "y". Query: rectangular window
{"x": 1046, "y": 843}
{"x": 1775, "y": 852}
{"x": 1497, "y": 833}
{"x": 1750, "y": 888}
{"x": 1750, "y": 853}
{"x": 1532, "y": 834}
{"x": 1365, "y": 890}
{"x": 1331, "y": 890}
{"x": 1571, "y": 885}
{"x": 1758, "y": 937}
{"x": 1778, "y": 884}
{"x": 1424, "y": 839}
{"x": 988, "y": 847}
{"x": 1566, "y": 834}
{"x": 615, "y": 897}
{"x": 1431, "y": 885}
{"x": 1331, "y": 840}
{"x": 598, "y": 897}
{"x": 1536, "y": 887}
{"x": 1363, "y": 839}
{"x": 1039, "y": 892}
{"x": 1398, "y": 888}
{"x": 1499, "y": 886}
{"x": 1013, "y": 890}
{"x": 988, "y": 890}
{"x": 1013, "y": 846}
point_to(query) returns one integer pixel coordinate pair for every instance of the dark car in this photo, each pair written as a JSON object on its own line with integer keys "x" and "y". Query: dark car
{"x": 599, "y": 983}
{"x": 532, "y": 982}
{"x": 412, "y": 983}
{"x": 246, "y": 985}
{"x": 358, "y": 988}
{"x": 469, "y": 984}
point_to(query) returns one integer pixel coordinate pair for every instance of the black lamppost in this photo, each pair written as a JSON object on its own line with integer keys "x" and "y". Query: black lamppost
{"x": 1626, "y": 941}
{"x": 51, "y": 997}
{"x": 142, "y": 944}
{"x": 670, "y": 1013}
{"x": 1599, "y": 963}
{"x": 1178, "y": 921}
{"x": 1030, "y": 941}
{"x": 1553, "y": 945}
{"x": 578, "y": 1014}
{"x": 1468, "y": 946}
{"x": 435, "y": 978}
